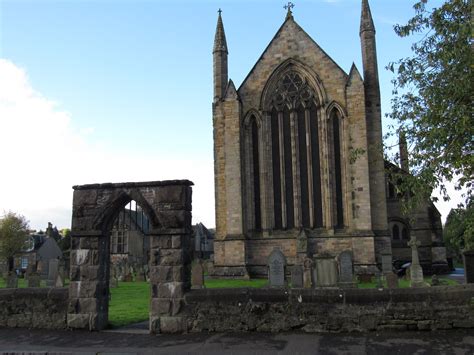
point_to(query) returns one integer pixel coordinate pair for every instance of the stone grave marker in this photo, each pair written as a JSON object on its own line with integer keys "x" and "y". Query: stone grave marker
{"x": 53, "y": 272}
{"x": 59, "y": 282}
{"x": 416, "y": 272}
{"x": 308, "y": 273}
{"x": 386, "y": 262}
{"x": 379, "y": 283}
{"x": 12, "y": 280}
{"x": 297, "y": 276}
{"x": 434, "y": 280}
{"x": 346, "y": 269}
{"x": 468, "y": 259}
{"x": 392, "y": 280}
{"x": 276, "y": 268}
{"x": 197, "y": 275}
{"x": 326, "y": 271}
{"x": 34, "y": 279}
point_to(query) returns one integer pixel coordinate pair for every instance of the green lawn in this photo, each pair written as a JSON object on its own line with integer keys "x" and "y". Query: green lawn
{"x": 129, "y": 303}
{"x": 225, "y": 283}
{"x": 403, "y": 283}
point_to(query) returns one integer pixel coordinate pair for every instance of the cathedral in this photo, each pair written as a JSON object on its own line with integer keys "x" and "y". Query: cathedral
{"x": 298, "y": 159}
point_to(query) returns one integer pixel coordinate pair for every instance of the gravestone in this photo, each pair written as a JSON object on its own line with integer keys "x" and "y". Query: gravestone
{"x": 12, "y": 280}
{"x": 346, "y": 269}
{"x": 302, "y": 243}
{"x": 297, "y": 276}
{"x": 197, "y": 275}
{"x": 59, "y": 282}
{"x": 365, "y": 278}
{"x": 326, "y": 271}
{"x": 276, "y": 268}
{"x": 308, "y": 273}
{"x": 434, "y": 280}
{"x": 386, "y": 262}
{"x": 416, "y": 272}
{"x": 392, "y": 280}
{"x": 53, "y": 272}
{"x": 34, "y": 279}
{"x": 468, "y": 258}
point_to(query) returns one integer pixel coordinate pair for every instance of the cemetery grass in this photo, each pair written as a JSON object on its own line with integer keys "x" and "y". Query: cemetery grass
{"x": 129, "y": 303}
{"x": 225, "y": 283}
{"x": 404, "y": 283}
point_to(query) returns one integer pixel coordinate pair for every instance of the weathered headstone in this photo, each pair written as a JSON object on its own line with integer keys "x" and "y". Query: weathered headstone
{"x": 434, "y": 280}
{"x": 12, "y": 280}
{"x": 53, "y": 272}
{"x": 392, "y": 280}
{"x": 197, "y": 275}
{"x": 386, "y": 262}
{"x": 346, "y": 269}
{"x": 34, "y": 279}
{"x": 276, "y": 268}
{"x": 326, "y": 272}
{"x": 416, "y": 272}
{"x": 308, "y": 273}
{"x": 365, "y": 278}
{"x": 297, "y": 276}
{"x": 468, "y": 258}
{"x": 59, "y": 282}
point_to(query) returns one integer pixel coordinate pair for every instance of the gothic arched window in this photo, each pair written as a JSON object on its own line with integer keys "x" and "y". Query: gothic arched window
{"x": 335, "y": 166}
{"x": 252, "y": 166}
{"x": 295, "y": 154}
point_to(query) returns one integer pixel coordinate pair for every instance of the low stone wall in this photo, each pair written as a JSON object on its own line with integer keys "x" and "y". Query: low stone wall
{"x": 44, "y": 308}
{"x": 330, "y": 310}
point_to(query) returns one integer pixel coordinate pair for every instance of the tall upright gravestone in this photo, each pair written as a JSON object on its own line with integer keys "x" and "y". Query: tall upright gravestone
{"x": 346, "y": 269}
{"x": 326, "y": 271}
{"x": 416, "y": 272}
{"x": 276, "y": 268}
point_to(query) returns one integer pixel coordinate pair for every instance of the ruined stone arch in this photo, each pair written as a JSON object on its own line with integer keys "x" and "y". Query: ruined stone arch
{"x": 110, "y": 211}
{"x": 168, "y": 207}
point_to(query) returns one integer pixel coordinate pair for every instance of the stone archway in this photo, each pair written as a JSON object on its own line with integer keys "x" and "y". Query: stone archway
{"x": 168, "y": 206}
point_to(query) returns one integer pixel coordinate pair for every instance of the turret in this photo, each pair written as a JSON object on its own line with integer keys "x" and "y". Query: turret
{"x": 374, "y": 121}
{"x": 220, "y": 60}
{"x": 402, "y": 142}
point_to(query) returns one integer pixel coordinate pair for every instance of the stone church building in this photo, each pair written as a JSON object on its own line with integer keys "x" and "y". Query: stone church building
{"x": 298, "y": 156}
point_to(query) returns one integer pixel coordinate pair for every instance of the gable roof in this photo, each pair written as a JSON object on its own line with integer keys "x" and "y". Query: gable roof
{"x": 283, "y": 27}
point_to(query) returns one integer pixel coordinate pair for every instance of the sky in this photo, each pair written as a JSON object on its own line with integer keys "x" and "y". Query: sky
{"x": 96, "y": 91}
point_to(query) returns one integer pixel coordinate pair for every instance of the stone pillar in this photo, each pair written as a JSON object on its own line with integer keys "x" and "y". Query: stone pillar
{"x": 88, "y": 287}
{"x": 468, "y": 258}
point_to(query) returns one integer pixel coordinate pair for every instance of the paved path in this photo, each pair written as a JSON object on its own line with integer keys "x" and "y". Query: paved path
{"x": 81, "y": 342}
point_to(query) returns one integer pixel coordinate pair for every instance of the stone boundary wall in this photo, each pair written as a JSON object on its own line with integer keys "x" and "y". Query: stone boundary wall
{"x": 43, "y": 308}
{"x": 330, "y": 310}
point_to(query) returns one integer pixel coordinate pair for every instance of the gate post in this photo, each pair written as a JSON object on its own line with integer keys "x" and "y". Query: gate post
{"x": 170, "y": 259}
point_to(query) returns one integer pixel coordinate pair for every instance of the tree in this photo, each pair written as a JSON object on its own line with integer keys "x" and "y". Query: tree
{"x": 432, "y": 103}
{"x": 459, "y": 229}
{"x": 13, "y": 236}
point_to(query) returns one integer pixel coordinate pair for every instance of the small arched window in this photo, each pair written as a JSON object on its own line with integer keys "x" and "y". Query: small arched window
{"x": 395, "y": 232}
{"x": 399, "y": 231}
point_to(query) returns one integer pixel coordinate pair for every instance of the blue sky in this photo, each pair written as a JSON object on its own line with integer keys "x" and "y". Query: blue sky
{"x": 130, "y": 83}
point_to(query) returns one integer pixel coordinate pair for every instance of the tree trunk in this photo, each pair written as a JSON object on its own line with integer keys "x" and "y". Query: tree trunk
{"x": 11, "y": 263}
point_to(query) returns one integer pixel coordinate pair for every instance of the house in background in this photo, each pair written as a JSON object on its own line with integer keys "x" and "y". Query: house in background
{"x": 42, "y": 247}
{"x": 203, "y": 241}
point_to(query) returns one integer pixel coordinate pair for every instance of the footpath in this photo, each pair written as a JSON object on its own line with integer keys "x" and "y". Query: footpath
{"x": 24, "y": 341}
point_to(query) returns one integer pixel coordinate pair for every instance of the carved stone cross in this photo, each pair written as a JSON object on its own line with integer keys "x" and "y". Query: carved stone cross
{"x": 414, "y": 244}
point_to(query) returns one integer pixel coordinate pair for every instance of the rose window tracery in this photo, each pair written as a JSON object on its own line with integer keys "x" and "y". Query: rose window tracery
{"x": 292, "y": 90}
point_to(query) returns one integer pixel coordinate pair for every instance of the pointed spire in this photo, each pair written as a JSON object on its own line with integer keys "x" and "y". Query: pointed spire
{"x": 354, "y": 74}
{"x": 366, "y": 21}
{"x": 231, "y": 91}
{"x": 220, "y": 43}
{"x": 403, "y": 146}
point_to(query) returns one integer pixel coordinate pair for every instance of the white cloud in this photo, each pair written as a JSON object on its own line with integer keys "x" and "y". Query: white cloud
{"x": 43, "y": 156}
